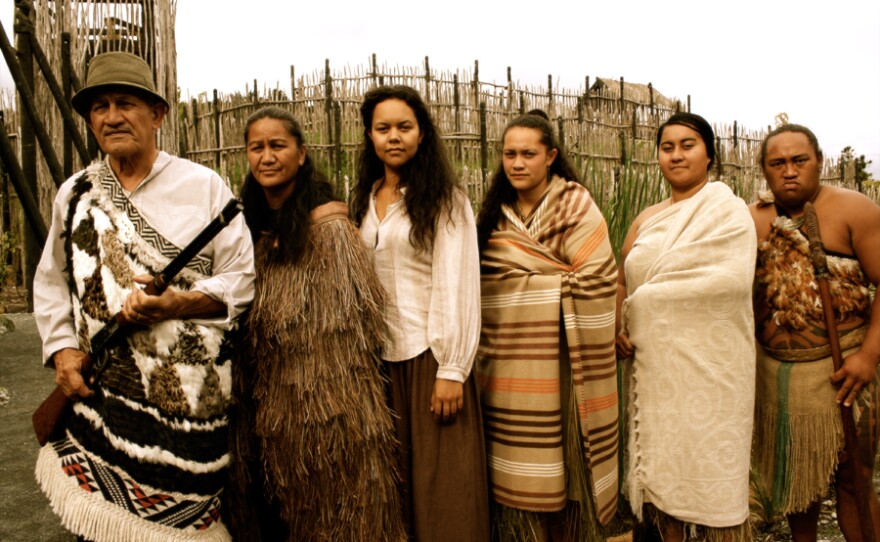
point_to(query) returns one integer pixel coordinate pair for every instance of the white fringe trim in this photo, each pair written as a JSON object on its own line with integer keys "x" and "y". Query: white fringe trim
{"x": 92, "y": 517}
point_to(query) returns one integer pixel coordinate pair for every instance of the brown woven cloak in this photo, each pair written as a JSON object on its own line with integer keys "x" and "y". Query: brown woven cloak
{"x": 324, "y": 439}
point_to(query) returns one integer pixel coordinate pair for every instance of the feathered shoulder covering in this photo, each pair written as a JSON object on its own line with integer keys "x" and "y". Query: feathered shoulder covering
{"x": 785, "y": 280}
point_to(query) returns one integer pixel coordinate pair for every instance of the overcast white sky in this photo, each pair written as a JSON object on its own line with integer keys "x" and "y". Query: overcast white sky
{"x": 747, "y": 60}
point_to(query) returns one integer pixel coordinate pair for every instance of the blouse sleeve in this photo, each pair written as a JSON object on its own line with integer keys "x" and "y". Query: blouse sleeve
{"x": 454, "y": 311}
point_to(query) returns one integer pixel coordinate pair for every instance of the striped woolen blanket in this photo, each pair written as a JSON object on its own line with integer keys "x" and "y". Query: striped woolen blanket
{"x": 689, "y": 315}
{"x": 145, "y": 457}
{"x": 553, "y": 272}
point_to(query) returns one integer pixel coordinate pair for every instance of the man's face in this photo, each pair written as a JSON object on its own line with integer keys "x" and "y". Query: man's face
{"x": 792, "y": 169}
{"x": 124, "y": 124}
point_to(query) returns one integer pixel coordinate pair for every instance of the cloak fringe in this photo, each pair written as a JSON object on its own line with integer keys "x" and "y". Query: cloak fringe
{"x": 324, "y": 430}
{"x": 807, "y": 454}
{"x": 104, "y": 521}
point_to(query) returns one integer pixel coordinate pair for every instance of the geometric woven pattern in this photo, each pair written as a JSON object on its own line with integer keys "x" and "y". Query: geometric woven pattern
{"x": 200, "y": 263}
{"x": 161, "y": 508}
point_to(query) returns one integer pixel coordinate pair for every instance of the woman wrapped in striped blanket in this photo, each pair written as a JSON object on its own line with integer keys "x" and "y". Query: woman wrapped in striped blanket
{"x": 545, "y": 365}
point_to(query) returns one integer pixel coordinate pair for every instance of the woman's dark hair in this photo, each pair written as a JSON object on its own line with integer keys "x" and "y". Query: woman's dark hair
{"x": 796, "y": 128}
{"x": 428, "y": 176}
{"x": 290, "y": 224}
{"x": 501, "y": 191}
{"x": 697, "y": 124}
{"x": 539, "y": 113}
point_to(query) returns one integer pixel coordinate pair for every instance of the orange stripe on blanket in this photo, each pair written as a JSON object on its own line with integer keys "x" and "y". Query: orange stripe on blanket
{"x": 590, "y": 244}
{"x": 522, "y": 385}
{"x": 598, "y": 403}
{"x": 522, "y": 247}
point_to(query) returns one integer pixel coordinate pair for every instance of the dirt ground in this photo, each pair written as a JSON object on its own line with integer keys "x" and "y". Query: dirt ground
{"x": 25, "y": 515}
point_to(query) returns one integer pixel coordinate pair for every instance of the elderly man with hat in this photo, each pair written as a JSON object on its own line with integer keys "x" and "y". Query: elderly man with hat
{"x": 144, "y": 453}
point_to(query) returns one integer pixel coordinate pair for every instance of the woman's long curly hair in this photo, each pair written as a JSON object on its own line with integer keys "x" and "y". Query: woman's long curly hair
{"x": 290, "y": 226}
{"x": 501, "y": 191}
{"x": 428, "y": 176}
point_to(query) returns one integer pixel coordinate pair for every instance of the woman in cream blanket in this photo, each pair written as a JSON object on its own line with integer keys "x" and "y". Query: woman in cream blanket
{"x": 687, "y": 323}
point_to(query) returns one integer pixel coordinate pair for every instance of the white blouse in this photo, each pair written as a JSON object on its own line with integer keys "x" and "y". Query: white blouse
{"x": 433, "y": 297}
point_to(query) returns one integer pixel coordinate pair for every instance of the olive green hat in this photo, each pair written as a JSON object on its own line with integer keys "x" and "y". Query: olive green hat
{"x": 116, "y": 69}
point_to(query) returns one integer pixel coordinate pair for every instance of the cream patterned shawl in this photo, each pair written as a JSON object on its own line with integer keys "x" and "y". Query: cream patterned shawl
{"x": 689, "y": 316}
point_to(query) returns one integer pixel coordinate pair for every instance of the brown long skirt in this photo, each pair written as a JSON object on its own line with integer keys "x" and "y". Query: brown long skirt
{"x": 446, "y": 494}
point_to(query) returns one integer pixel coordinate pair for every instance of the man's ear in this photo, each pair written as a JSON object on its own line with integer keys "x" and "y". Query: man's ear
{"x": 159, "y": 112}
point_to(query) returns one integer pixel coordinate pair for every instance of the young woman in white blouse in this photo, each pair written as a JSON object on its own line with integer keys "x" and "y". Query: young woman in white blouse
{"x": 421, "y": 228}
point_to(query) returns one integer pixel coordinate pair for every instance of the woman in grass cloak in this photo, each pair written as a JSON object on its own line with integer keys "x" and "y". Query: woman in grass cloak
{"x": 313, "y": 437}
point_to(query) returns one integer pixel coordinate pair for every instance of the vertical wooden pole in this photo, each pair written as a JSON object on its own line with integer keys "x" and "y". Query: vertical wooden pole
{"x": 522, "y": 102}
{"x": 456, "y": 103}
{"x": 689, "y": 103}
{"x": 292, "y": 84}
{"x": 67, "y": 145}
{"x": 620, "y": 115}
{"x": 183, "y": 142}
{"x": 735, "y": 135}
{"x": 216, "y": 131}
{"x": 635, "y": 125}
{"x": 328, "y": 106}
{"x": 197, "y": 143}
{"x": 651, "y": 97}
{"x": 509, "y": 90}
{"x": 484, "y": 144}
{"x": 551, "y": 112}
{"x": 256, "y": 96}
{"x": 32, "y": 246}
{"x": 5, "y": 214}
{"x": 375, "y": 73}
{"x": 587, "y": 101}
{"x": 427, "y": 80}
{"x": 560, "y": 129}
{"x": 579, "y": 132}
{"x": 337, "y": 146}
{"x": 476, "y": 81}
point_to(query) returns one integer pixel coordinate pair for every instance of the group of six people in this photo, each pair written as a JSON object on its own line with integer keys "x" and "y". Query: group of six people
{"x": 410, "y": 371}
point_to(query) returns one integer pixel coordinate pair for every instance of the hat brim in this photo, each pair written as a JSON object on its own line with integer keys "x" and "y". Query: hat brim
{"x": 82, "y": 100}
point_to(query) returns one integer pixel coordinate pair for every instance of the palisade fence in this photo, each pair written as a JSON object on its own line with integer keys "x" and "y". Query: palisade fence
{"x": 53, "y": 42}
{"x": 607, "y": 128}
